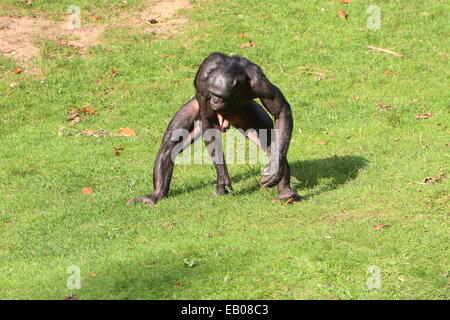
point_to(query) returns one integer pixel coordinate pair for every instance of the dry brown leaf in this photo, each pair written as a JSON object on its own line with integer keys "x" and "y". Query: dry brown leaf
{"x": 178, "y": 283}
{"x": 71, "y": 297}
{"x": 248, "y": 44}
{"x": 14, "y": 84}
{"x": 341, "y": 14}
{"x": 18, "y": 70}
{"x": 421, "y": 116}
{"x": 95, "y": 17}
{"x": 289, "y": 201}
{"x": 380, "y": 226}
{"x": 241, "y": 35}
{"x": 322, "y": 142}
{"x": 388, "y": 72}
{"x": 346, "y": 1}
{"x": 210, "y": 235}
{"x": 73, "y": 117}
{"x": 91, "y": 274}
{"x": 114, "y": 73}
{"x": 89, "y": 110}
{"x": 380, "y": 106}
{"x": 87, "y": 190}
{"x": 153, "y": 21}
{"x": 89, "y": 132}
{"x": 431, "y": 180}
{"x": 127, "y": 132}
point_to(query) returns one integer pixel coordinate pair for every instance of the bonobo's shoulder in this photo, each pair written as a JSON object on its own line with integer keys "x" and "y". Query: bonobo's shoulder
{"x": 251, "y": 68}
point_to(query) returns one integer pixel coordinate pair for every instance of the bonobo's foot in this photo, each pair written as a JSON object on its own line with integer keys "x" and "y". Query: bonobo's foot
{"x": 289, "y": 194}
{"x": 221, "y": 190}
{"x": 149, "y": 199}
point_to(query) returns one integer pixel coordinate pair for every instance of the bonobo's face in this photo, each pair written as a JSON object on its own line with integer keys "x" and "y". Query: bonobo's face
{"x": 223, "y": 88}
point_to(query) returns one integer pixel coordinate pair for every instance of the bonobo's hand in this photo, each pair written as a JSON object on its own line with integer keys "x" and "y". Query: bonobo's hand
{"x": 149, "y": 199}
{"x": 273, "y": 173}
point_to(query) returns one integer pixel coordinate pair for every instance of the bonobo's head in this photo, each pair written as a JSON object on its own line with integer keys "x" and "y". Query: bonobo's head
{"x": 223, "y": 85}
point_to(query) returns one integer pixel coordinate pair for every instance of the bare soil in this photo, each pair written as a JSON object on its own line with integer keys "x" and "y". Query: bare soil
{"x": 19, "y": 36}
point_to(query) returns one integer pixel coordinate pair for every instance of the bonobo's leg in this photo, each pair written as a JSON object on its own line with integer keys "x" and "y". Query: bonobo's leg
{"x": 162, "y": 170}
{"x": 213, "y": 141}
{"x": 255, "y": 117}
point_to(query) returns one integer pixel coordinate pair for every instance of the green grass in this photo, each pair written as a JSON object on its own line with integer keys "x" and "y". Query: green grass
{"x": 320, "y": 248}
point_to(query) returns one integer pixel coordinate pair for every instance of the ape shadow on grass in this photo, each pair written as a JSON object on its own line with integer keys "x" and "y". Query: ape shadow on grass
{"x": 328, "y": 173}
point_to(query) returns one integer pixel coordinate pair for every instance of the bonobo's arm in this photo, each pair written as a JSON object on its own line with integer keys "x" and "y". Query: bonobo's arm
{"x": 274, "y": 101}
{"x": 183, "y": 121}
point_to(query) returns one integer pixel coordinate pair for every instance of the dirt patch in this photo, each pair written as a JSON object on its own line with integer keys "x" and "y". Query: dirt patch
{"x": 19, "y": 36}
{"x": 162, "y": 17}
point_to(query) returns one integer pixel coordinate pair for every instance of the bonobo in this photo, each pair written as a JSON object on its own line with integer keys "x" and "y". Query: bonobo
{"x": 225, "y": 89}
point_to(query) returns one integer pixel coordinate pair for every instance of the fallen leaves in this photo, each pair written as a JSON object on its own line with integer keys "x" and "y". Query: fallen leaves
{"x": 346, "y": 1}
{"x": 322, "y": 142}
{"x": 95, "y": 133}
{"x": 153, "y": 21}
{"x": 342, "y": 14}
{"x": 114, "y": 73}
{"x": 380, "y": 226}
{"x": 85, "y": 110}
{"x": 87, "y": 190}
{"x": 91, "y": 274}
{"x": 241, "y": 35}
{"x": 421, "y": 116}
{"x": 71, "y": 297}
{"x": 249, "y": 44}
{"x": 117, "y": 150}
{"x": 18, "y": 70}
{"x": 432, "y": 180}
{"x": 100, "y": 132}
{"x": 289, "y": 201}
{"x": 388, "y": 72}
{"x": 380, "y": 106}
{"x": 95, "y": 17}
{"x": 126, "y": 132}
{"x": 75, "y": 117}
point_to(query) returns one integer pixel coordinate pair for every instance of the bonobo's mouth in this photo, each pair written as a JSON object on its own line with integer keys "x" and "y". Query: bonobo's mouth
{"x": 217, "y": 103}
{"x": 224, "y": 124}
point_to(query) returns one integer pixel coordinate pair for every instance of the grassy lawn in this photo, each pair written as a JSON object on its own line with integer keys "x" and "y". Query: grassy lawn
{"x": 358, "y": 155}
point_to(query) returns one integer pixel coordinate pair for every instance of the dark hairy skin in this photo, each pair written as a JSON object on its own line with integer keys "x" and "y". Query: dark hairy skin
{"x": 225, "y": 89}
